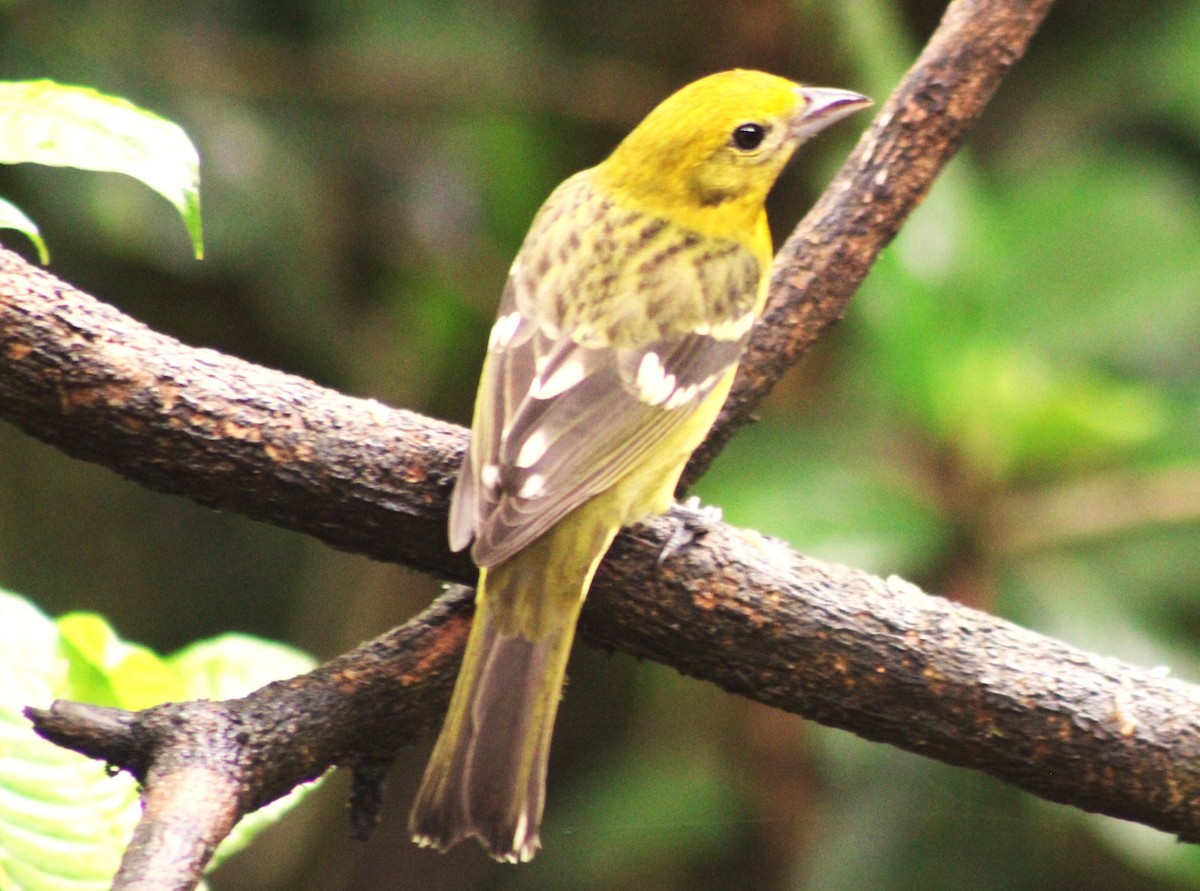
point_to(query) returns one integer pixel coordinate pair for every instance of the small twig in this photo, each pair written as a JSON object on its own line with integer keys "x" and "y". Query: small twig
{"x": 1105, "y": 504}
{"x": 205, "y": 765}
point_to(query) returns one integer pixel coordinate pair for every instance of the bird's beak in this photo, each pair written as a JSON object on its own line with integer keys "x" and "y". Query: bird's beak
{"x": 824, "y": 106}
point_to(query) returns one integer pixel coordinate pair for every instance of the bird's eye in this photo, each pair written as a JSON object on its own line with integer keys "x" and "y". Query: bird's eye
{"x": 748, "y": 137}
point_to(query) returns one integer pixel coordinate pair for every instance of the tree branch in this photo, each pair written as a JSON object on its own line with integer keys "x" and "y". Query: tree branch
{"x": 834, "y": 644}
{"x": 837, "y": 645}
{"x": 78, "y": 374}
{"x": 918, "y": 130}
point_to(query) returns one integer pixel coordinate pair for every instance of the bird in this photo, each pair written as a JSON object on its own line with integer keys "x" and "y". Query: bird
{"x": 620, "y": 327}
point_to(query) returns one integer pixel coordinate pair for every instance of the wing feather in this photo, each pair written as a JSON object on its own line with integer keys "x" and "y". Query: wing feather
{"x": 568, "y": 405}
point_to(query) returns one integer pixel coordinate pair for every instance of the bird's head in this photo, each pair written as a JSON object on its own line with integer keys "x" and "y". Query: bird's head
{"x": 711, "y": 151}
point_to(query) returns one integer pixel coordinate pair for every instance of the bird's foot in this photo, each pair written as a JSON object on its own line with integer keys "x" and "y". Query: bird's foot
{"x": 693, "y": 520}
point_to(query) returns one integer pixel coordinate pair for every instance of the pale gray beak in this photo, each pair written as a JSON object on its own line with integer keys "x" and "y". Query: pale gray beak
{"x": 824, "y": 106}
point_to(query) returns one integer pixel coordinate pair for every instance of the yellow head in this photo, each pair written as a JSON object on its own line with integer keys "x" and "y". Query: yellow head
{"x": 708, "y": 155}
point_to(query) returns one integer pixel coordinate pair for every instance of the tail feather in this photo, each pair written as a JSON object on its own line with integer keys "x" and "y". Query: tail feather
{"x": 487, "y": 775}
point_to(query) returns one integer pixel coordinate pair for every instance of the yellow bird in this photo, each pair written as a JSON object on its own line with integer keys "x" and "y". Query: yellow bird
{"x": 622, "y": 322}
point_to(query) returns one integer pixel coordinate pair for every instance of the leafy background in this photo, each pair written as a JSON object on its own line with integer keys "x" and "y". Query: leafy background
{"x": 1009, "y": 415}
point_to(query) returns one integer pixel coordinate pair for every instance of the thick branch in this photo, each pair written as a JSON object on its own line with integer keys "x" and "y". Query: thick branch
{"x": 80, "y": 375}
{"x": 876, "y": 657}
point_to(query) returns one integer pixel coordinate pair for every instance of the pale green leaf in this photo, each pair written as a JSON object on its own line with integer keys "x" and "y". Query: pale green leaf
{"x": 105, "y": 670}
{"x": 848, "y": 506}
{"x": 43, "y": 122}
{"x": 64, "y": 821}
{"x": 12, "y": 217}
{"x": 235, "y": 664}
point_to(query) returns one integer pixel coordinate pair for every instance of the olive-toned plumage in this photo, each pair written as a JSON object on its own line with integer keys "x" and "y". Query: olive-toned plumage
{"x": 620, "y": 328}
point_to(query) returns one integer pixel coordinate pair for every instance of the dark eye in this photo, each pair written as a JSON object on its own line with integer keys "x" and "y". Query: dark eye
{"x": 749, "y": 136}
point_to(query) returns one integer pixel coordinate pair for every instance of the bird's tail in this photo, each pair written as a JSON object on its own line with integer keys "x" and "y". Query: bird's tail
{"x": 487, "y": 774}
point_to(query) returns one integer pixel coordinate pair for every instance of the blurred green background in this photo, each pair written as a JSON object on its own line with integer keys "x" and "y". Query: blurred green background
{"x": 1010, "y": 414}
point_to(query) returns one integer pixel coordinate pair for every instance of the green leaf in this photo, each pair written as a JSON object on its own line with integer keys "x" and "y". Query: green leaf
{"x": 1153, "y": 852}
{"x": 64, "y": 821}
{"x": 656, "y": 804}
{"x": 105, "y": 670}
{"x": 846, "y": 507}
{"x": 234, "y": 665}
{"x": 12, "y": 217}
{"x": 43, "y": 122}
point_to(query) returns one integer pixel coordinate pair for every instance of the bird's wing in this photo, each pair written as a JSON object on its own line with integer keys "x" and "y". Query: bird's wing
{"x": 583, "y": 379}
